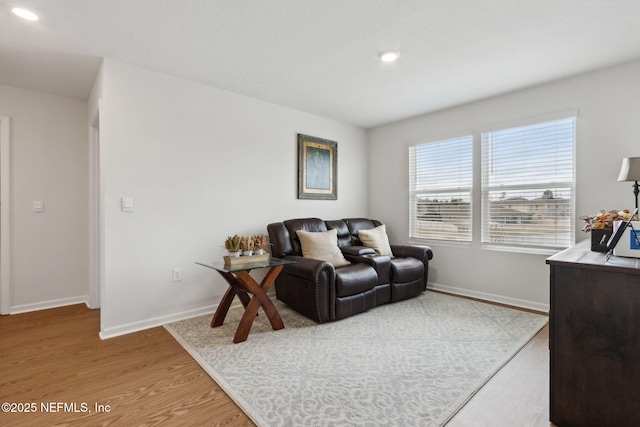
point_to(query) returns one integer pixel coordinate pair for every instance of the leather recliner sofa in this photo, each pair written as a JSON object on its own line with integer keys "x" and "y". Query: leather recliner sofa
{"x": 323, "y": 292}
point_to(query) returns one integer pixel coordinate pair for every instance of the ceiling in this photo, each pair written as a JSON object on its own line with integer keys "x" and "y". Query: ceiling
{"x": 320, "y": 56}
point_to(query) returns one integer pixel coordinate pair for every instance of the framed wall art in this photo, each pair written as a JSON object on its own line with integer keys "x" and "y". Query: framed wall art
{"x": 317, "y": 168}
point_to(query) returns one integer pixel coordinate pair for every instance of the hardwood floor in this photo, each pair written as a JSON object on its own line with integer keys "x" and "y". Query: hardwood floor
{"x": 145, "y": 378}
{"x": 54, "y": 357}
{"x": 518, "y": 395}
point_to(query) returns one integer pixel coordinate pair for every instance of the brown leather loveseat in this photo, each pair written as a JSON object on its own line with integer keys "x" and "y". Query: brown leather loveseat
{"x": 356, "y": 279}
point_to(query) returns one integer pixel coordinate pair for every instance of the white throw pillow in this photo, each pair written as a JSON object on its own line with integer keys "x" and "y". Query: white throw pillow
{"x": 322, "y": 245}
{"x": 376, "y": 239}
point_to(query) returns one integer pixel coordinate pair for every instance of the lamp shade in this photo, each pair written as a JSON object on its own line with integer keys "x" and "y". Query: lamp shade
{"x": 630, "y": 170}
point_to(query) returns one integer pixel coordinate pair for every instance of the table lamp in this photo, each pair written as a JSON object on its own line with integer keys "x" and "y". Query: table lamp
{"x": 630, "y": 171}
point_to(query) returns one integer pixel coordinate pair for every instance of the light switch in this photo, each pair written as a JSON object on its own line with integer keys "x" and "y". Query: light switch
{"x": 127, "y": 204}
{"x": 38, "y": 206}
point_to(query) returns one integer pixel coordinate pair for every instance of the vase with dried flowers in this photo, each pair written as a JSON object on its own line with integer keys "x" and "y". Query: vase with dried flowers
{"x": 232, "y": 244}
{"x": 260, "y": 242}
{"x": 601, "y": 227}
{"x": 246, "y": 245}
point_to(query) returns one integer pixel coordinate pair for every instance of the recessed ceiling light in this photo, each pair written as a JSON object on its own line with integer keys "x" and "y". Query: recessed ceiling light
{"x": 25, "y": 13}
{"x": 388, "y": 55}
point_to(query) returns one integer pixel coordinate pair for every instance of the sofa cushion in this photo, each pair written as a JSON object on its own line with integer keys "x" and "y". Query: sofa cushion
{"x": 344, "y": 237}
{"x": 280, "y": 240}
{"x": 357, "y": 224}
{"x": 377, "y": 239}
{"x": 322, "y": 245}
{"x": 305, "y": 224}
{"x": 355, "y": 279}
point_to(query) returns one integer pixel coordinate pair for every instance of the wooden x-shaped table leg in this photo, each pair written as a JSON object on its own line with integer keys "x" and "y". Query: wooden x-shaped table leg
{"x": 242, "y": 284}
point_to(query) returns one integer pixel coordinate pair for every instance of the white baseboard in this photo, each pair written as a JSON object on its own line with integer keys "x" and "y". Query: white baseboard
{"x": 128, "y": 328}
{"x": 120, "y": 329}
{"x": 515, "y": 302}
{"x": 44, "y": 305}
{"x": 174, "y": 317}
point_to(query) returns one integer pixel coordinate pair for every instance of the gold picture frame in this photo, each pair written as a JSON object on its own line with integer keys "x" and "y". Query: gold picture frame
{"x": 317, "y": 168}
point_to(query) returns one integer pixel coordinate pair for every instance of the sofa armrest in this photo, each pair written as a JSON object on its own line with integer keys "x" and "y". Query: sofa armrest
{"x": 423, "y": 253}
{"x": 309, "y": 269}
{"x": 308, "y": 286}
{"x": 357, "y": 251}
{"x": 420, "y": 252}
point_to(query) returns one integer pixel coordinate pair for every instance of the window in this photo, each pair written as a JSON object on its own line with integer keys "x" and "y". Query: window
{"x": 528, "y": 185}
{"x": 441, "y": 180}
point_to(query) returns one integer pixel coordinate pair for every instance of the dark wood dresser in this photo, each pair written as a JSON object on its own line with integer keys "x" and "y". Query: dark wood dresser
{"x": 594, "y": 339}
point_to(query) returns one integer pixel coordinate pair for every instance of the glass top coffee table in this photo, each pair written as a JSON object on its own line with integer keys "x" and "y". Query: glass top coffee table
{"x": 242, "y": 284}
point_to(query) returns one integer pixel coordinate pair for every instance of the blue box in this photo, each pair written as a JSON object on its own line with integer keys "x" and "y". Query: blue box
{"x": 634, "y": 235}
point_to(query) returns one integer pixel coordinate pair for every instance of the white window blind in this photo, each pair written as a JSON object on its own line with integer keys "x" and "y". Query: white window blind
{"x": 528, "y": 184}
{"x": 441, "y": 179}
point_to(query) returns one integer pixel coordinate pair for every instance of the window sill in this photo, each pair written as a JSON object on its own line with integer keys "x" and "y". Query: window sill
{"x": 520, "y": 249}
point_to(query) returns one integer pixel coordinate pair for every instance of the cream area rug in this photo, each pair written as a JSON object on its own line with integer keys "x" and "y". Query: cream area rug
{"x": 411, "y": 363}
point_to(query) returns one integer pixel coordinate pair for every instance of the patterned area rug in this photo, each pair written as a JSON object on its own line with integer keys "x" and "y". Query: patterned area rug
{"x": 411, "y": 363}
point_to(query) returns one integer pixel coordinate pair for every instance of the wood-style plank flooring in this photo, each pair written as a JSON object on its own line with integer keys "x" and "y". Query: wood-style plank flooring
{"x": 518, "y": 395}
{"x": 55, "y": 357}
{"x": 146, "y": 378}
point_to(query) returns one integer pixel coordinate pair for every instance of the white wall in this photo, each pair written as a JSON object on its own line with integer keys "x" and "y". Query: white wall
{"x": 608, "y": 129}
{"x": 49, "y": 250}
{"x": 200, "y": 164}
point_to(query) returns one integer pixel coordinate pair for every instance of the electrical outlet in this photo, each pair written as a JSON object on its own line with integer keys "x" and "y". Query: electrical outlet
{"x": 177, "y": 274}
